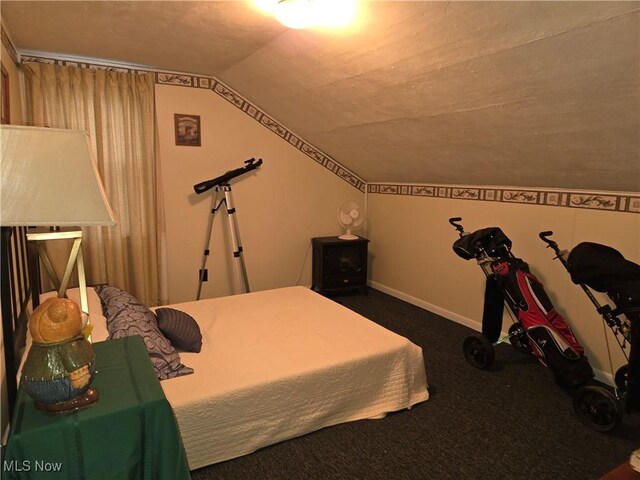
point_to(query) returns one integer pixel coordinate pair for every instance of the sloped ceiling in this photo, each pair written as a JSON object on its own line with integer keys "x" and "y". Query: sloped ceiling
{"x": 532, "y": 94}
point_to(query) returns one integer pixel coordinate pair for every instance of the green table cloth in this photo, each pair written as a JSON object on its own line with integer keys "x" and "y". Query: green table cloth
{"x": 131, "y": 433}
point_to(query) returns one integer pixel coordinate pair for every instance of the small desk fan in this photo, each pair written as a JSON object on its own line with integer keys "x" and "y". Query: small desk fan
{"x": 350, "y": 217}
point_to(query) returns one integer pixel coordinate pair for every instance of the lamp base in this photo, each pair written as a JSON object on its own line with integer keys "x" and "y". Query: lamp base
{"x": 84, "y": 400}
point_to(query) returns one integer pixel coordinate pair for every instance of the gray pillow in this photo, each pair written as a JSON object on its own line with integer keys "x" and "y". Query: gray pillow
{"x": 180, "y": 328}
{"x": 127, "y": 316}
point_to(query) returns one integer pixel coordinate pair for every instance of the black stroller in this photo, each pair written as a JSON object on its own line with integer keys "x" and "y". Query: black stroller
{"x": 537, "y": 327}
{"x": 604, "y": 269}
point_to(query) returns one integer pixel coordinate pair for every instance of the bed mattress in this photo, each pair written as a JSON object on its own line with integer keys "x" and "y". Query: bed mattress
{"x": 281, "y": 363}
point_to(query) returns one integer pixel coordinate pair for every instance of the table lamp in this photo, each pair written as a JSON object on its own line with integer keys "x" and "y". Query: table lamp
{"x": 49, "y": 178}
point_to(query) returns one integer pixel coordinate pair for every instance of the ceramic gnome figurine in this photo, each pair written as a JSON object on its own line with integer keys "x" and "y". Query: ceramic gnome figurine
{"x": 61, "y": 364}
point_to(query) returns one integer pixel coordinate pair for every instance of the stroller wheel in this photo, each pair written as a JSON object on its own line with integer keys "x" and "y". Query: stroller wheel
{"x": 597, "y": 408}
{"x": 478, "y": 351}
{"x": 519, "y": 341}
{"x": 621, "y": 378}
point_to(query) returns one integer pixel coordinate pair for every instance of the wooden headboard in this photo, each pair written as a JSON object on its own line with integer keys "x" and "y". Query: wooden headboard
{"x": 15, "y": 293}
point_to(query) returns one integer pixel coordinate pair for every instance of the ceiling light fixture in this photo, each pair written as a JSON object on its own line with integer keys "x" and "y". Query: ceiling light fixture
{"x": 310, "y": 13}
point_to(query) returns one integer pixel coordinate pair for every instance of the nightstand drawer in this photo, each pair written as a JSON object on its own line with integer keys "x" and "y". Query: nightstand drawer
{"x": 343, "y": 282}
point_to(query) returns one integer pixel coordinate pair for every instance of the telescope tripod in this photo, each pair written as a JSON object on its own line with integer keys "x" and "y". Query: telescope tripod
{"x": 240, "y": 267}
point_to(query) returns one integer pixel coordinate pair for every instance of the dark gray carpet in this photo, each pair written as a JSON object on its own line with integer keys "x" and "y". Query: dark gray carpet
{"x": 512, "y": 422}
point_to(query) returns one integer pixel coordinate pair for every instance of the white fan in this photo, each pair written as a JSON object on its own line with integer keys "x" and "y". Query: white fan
{"x": 350, "y": 217}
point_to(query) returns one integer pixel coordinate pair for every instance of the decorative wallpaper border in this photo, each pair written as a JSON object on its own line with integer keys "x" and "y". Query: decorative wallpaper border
{"x": 603, "y": 201}
{"x": 25, "y": 58}
{"x": 610, "y": 201}
{"x": 233, "y": 97}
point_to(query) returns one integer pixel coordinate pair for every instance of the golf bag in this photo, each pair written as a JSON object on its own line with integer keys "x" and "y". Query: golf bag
{"x": 538, "y": 328}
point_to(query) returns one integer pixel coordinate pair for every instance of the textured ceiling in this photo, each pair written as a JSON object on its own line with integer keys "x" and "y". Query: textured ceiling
{"x": 534, "y": 94}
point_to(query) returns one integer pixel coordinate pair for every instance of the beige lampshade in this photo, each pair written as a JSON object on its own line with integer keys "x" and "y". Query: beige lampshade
{"x": 49, "y": 177}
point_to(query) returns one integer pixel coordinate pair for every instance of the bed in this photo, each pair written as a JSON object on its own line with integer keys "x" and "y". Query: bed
{"x": 278, "y": 364}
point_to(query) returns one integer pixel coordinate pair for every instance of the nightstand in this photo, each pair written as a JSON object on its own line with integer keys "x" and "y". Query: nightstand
{"x": 339, "y": 265}
{"x": 130, "y": 433}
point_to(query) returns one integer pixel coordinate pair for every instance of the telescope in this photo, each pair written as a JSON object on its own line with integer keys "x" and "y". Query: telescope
{"x": 249, "y": 165}
{"x": 221, "y": 186}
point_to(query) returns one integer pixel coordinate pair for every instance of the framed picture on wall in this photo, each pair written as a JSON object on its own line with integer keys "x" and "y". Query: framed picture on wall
{"x": 4, "y": 96}
{"x": 187, "y": 129}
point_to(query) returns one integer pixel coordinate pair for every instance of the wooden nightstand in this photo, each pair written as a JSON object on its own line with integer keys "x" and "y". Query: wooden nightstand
{"x": 130, "y": 433}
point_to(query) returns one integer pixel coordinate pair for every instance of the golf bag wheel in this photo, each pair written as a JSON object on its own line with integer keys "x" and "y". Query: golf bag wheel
{"x": 597, "y": 408}
{"x": 478, "y": 351}
{"x": 621, "y": 378}
{"x": 519, "y": 341}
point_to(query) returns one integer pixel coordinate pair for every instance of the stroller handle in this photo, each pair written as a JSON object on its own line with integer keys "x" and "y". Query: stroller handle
{"x": 550, "y": 243}
{"x": 454, "y": 221}
{"x": 544, "y": 235}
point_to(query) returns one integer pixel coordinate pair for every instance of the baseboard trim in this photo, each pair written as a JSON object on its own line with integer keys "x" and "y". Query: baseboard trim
{"x": 602, "y": 376}
{"x": 455, "y": 317}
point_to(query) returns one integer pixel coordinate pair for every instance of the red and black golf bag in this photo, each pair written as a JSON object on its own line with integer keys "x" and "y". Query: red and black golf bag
{"x": 538, "y": 328}
{"x": 550, "y": 337}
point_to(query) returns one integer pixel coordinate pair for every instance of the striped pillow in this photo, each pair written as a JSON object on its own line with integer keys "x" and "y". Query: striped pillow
{"x": 180, "y": 328}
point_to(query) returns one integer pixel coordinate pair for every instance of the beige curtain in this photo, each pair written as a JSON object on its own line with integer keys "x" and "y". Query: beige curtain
{"x": 117, "y": 110}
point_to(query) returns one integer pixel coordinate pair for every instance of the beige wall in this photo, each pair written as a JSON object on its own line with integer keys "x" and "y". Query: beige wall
{"x": 280, "y": 206}
{"x": 412, "y": 257}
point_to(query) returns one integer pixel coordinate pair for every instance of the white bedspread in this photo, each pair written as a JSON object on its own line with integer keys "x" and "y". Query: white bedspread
{"x": 281, "y": 363}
